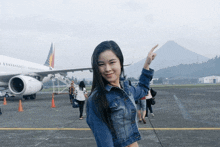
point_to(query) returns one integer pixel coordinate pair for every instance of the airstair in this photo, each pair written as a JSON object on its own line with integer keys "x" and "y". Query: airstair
{"x": 59, "y": 88}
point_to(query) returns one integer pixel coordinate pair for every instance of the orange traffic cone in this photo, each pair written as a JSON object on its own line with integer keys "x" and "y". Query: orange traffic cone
{"x": 53, "y": 103}
{"x": 20, "y": 108}
{"x": 5, "y": 102}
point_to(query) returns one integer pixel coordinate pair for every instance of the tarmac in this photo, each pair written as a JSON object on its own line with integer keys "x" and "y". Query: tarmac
{"x": 184, "y": 117}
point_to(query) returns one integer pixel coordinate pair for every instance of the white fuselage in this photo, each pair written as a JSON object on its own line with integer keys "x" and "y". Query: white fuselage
{"x": 9, "y": 65}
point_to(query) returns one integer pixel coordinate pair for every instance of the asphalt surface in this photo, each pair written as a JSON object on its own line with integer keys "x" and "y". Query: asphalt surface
{"x": 184, "y": 117}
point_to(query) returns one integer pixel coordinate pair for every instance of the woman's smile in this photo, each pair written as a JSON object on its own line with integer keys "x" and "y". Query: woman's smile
{"x": 109, "y": 75}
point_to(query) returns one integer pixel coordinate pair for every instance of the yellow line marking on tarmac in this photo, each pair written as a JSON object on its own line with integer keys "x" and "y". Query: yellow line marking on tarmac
{"x": 46, "y": 129}
{"x": 87, "y": 129}
{"x": 177, "y": 129}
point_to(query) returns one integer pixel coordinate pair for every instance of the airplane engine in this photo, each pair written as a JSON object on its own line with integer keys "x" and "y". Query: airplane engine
{"x": 24, "y": 85}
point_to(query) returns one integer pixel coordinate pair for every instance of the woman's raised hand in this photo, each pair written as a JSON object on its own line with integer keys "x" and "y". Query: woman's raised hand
{"x": 151, "y": 55}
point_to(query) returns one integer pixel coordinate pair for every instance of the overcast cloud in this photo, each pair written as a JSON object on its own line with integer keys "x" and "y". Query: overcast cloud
{"x": 77, "y": 27}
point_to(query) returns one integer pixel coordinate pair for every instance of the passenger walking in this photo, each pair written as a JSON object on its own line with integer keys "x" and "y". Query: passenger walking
{"x": 111, "y": 109}
{"x": 71, "y": 92}
{"x": 148, "y": 102}
{"x": 81, "y": 95}
{"x": 141, "y": 107}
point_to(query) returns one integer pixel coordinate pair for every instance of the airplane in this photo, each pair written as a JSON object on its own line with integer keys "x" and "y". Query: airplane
{"x": 26, "y": 78}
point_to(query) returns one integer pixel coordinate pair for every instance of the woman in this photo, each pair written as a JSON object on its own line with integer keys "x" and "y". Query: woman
{"x": 148, "y": 103}
{"x": 111, "y": 110}
{"x": 80, "y": 97}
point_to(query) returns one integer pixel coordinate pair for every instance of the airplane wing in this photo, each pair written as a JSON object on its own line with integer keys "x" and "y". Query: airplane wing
{"x": 7, "y": 76}
{"x": 45, "y": 73}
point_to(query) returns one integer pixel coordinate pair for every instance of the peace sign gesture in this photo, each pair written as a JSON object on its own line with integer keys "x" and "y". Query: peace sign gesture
{"x": 151, "y": 55}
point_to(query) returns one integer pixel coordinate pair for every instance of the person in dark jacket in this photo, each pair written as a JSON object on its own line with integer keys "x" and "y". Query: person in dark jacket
{"x": 71, "y": 92}
{"x": 111, "y": 110}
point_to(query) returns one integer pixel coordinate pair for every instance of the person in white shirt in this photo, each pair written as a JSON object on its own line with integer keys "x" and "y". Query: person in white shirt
{"x": 81, "y": 95}
{"x": 148, "y": 101}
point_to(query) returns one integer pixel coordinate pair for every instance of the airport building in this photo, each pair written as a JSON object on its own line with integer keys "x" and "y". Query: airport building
{"x": 210, "y": 79}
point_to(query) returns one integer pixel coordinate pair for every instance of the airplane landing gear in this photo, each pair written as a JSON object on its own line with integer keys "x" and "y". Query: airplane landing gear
{"x": 33, "y": 96}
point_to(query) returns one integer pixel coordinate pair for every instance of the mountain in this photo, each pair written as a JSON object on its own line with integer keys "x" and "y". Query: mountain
{"x": 170, "y": 54}
{"x": 196, "y": 70}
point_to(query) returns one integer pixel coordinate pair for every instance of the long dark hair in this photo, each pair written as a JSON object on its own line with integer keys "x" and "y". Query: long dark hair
{"x": 81, "y": 85}
{"x": 99, "y": 82}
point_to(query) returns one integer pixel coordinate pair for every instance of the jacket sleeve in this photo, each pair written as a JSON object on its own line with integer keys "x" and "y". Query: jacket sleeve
{"x": 100, "y": 130}
{"x": 143, "y": 86}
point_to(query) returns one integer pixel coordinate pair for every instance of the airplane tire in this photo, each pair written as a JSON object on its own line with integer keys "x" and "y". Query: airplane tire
{"x": 26, "y": 97}
{"x": 6, "y": 95}
{"x": 33, "y": 96}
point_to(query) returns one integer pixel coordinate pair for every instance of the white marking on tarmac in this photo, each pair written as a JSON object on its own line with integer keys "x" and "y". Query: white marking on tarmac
{"x": 159, "y": 108}
{"x": 41, "y": 142}
{"x": 38, "y": 143}
{"x": 185, "y": 114}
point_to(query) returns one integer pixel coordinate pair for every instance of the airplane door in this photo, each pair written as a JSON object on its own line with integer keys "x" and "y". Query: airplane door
{"x": 214, "y": 80}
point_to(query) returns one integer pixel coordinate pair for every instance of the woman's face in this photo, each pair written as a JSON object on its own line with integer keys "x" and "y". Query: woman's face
{"x": 110, "y": 67}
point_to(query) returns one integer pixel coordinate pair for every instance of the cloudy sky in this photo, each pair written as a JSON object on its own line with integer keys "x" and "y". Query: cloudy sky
{"x": 27, "y": 28}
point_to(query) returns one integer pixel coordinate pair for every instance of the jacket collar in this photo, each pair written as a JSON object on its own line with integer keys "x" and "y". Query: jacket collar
{"x": 109, "y": 87}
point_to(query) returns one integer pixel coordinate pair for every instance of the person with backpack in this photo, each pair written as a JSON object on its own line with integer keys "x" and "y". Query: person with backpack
{"x": 81, "y": 95}
{"x": 148, "y": 102}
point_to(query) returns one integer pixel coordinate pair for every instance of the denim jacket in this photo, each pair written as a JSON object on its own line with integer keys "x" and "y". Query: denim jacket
{"x": 123, "y": 116}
